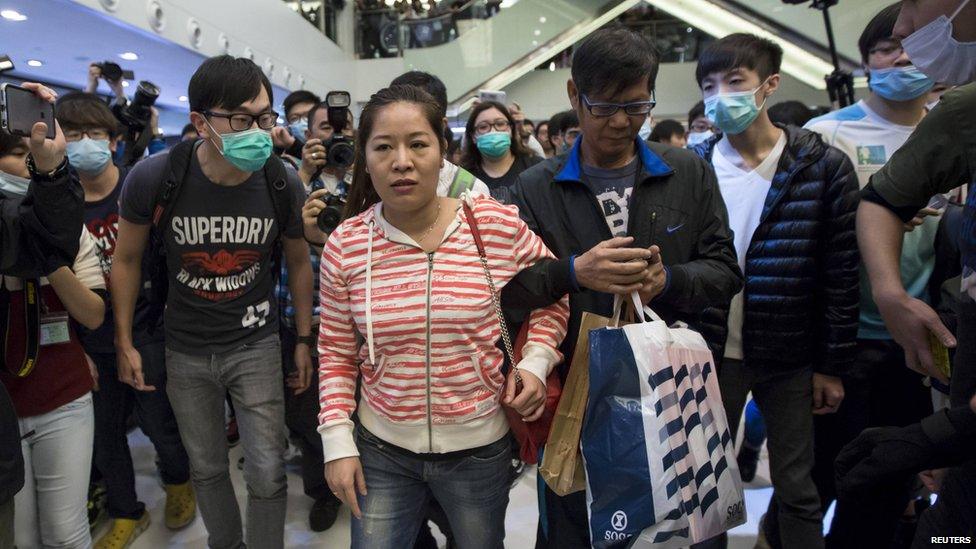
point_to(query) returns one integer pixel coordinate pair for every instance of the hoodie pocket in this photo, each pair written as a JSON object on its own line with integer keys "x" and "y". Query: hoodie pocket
{"x": 372, "y": 373}
{"x": 493, "y": 381}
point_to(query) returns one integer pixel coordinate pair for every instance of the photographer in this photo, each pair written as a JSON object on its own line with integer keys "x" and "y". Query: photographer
{"x": 45, "y": 371}
{"x": 326, "y": 179}
{"x": 290, "y": 139}
{"x": 139, "y": 118}
{"x": 91, "y": 132}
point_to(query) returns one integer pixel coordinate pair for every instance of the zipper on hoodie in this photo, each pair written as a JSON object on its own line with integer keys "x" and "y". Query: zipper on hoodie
{"x": 430, "y": 419}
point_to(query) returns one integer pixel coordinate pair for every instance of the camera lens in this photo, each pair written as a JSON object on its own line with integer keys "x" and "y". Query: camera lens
{"x": 146, "y": 94}
{"x": 341, "y": 154}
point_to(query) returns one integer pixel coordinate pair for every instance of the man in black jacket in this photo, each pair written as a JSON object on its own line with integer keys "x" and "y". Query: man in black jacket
{"x": 622, "y": 216}
{"x": 792, "y": 331}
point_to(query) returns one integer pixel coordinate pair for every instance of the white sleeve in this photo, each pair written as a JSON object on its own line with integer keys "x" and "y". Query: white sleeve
{"x": 87, "y": 267}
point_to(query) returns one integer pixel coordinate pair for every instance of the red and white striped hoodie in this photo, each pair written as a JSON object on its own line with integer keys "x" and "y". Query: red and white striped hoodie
{"x": 431, "y": 373}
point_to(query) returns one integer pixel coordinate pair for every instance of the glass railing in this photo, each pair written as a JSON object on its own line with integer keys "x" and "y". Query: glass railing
{"x": 321, "y": 14}
{"x": 388, "y": 31}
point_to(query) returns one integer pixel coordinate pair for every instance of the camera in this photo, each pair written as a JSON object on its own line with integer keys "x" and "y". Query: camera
{"x": 340, "y": 149}
{"x": 136, "y": 115}
{"x": 111, "y": 71}
{"x": 330, "y": 216}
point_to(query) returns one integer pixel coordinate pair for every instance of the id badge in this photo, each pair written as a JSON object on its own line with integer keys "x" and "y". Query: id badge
{"x": 54, "y": 329}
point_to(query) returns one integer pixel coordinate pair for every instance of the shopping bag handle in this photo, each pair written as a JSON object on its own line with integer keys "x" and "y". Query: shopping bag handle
{"x": 639, "y": 308}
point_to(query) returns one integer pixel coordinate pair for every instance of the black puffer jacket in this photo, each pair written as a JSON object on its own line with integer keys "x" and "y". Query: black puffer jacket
{"x": 801, "y": 290}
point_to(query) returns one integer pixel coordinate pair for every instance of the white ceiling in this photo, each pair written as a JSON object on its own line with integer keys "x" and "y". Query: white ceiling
{"x": 66, "y": 37}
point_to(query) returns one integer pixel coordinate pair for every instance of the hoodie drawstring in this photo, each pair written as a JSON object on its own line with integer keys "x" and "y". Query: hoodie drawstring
{"x": 369, "y": 296}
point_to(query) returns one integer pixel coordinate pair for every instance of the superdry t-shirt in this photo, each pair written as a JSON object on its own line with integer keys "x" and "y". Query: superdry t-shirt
{"x": 219, "y": 243}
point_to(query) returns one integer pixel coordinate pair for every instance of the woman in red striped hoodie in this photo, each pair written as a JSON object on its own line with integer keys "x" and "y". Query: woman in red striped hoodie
{"x": 407, "y": 312}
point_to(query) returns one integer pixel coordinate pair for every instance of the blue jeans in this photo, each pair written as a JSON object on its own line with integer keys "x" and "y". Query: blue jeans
{"x": 51, "y": 508}
{"x": 197, "y": 386}
{"x": 114, "y": 401}
{"x": 473, "y": 491}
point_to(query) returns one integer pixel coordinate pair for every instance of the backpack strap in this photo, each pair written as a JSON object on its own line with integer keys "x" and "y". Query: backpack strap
{"x": 178, "y": 165}
{"x": 463, "y": 182}
{"x": 276, "y": 178}
{"x": 32, "y": 317}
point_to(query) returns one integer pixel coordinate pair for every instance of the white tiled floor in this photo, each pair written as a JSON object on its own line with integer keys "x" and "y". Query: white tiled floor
{"x": 520, "y": 521}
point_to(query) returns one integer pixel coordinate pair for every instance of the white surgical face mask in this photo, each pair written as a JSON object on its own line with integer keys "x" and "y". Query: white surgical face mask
{"x": 696, "y": 138}
{"x": 645, "y": 129}
{"x": 941, "y": 57}
{"x": 14, "y": 184}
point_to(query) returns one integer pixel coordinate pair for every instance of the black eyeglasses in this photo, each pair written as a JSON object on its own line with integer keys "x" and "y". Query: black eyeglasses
{"x": 241, "y": 121}
{"x": 603, "y": 110}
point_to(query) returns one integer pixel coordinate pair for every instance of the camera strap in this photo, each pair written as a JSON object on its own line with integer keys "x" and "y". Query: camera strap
{"x": 32, "y": 316}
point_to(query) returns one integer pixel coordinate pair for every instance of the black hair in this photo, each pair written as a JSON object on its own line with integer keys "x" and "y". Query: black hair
{"x": 790, "y": 113}
{"x": 226, "y": 82}
{"x": 613, "y": 59}
{"x": 740, "y": 50}
{"x": 696, "y": 112}
{"x": 427, "y": 82}
{"x": 299, "y": 96}
{"x": 362, "y": 193}
{"x": 80, "y": 110}
{"x": 9, "y": 142}
{"x": 665, "y": 129}
{"x": 567, "y": 120}
{"x": 187, "y": 129}
{"x": 471, "y": 156}
{"x": 881, "y": 27}
{"x": 554, "y": 122}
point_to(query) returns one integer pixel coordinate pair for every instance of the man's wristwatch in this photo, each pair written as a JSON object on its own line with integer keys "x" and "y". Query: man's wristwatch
{"x": 53, "y": 175}
{"x": 307, "y": 340}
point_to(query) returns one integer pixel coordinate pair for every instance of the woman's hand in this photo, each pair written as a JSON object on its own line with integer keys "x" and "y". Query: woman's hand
{"x": 528, "y": 398}
{"x": 345, "y": 478}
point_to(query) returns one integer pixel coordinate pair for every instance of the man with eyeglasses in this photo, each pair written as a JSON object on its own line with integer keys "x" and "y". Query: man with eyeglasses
{"x": 792, "y": 330}
{"x": 623, "y": 216}
{"x": 92, "y": 135}
{"x": 236, "y": 209}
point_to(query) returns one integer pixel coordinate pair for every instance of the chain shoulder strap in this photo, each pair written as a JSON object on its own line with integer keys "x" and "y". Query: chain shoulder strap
{"x": 495, "y": 300}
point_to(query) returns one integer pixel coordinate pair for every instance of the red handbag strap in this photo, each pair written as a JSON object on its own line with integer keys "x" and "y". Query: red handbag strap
{"x": 473, "y": 225}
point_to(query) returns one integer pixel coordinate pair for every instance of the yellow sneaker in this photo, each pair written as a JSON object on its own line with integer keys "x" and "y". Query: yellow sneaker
{"x": 181, "y": 505}
{"x": 123, "y": 532}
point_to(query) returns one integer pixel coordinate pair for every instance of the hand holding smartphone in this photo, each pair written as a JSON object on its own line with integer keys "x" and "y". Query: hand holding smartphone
{"x": 28, "y": 111}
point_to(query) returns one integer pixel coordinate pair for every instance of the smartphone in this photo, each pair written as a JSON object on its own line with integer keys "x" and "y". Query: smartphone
{"x": 20, "y": 109}
{"x": 491, "y": 95}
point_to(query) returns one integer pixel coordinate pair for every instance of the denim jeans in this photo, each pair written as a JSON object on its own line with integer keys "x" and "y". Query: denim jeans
{"x": 52, "y": 505}
{"x": 473, "y": 491}
{"x": 197, "y": 386}
{"x": 114, "y": 401}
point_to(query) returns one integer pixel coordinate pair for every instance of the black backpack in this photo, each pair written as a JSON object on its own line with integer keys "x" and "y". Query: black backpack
{"x": 180, "y": 157}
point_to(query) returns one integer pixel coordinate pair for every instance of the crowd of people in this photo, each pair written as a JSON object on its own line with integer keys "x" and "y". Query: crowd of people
{"x": 345, "y": 285}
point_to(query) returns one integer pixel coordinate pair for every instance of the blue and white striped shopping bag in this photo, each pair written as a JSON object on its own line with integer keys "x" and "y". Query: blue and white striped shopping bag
{"x": 658, "y": 454}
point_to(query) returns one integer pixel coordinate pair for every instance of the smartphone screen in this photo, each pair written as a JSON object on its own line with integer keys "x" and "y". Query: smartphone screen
{"x": 21, "y": 109}
{"x": 491, "y": 95}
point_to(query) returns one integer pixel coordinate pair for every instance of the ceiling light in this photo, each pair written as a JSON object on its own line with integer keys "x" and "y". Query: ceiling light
{"x": 717, "y": 21}
{"x": 34, "y": 63}
{"x": 13, "y": 15}
{"x": 542, "y": 19}
{"x": 129, "y": 56}
{"x": 125, "y": 83}
{"x": 552, "y": 66}
{"x": 537, "y": 32}
{"x": 183, "y": 99}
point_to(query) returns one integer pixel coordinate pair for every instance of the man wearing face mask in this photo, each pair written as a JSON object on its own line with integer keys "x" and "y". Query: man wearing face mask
{"x": 224, "y": 210}
{"x": 792, "y": 330}
{"x": 91, "y": 132}
{"x": 939, "y": 36}
{"x": 290, "y": 139}
{"x": 880, "y": 390}
{"x": 699, "y": 126}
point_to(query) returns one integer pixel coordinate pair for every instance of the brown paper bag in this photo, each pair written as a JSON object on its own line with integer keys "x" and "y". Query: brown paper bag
{"x": 562, "y": 463}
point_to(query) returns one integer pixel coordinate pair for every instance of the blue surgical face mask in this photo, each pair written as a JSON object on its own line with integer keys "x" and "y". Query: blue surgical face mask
{"x": 13, "y": 184}
{"x": 900, "y": 83}
{"x": 645, "y": 130}
{"x": 494, "y": 144}
{"x": 695, "y": 138}
{"x": 733, "y": 112}
{"x": 298, "y": 128}
{"x": 89, "y": 156}
{"x": 247, "y": 150}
